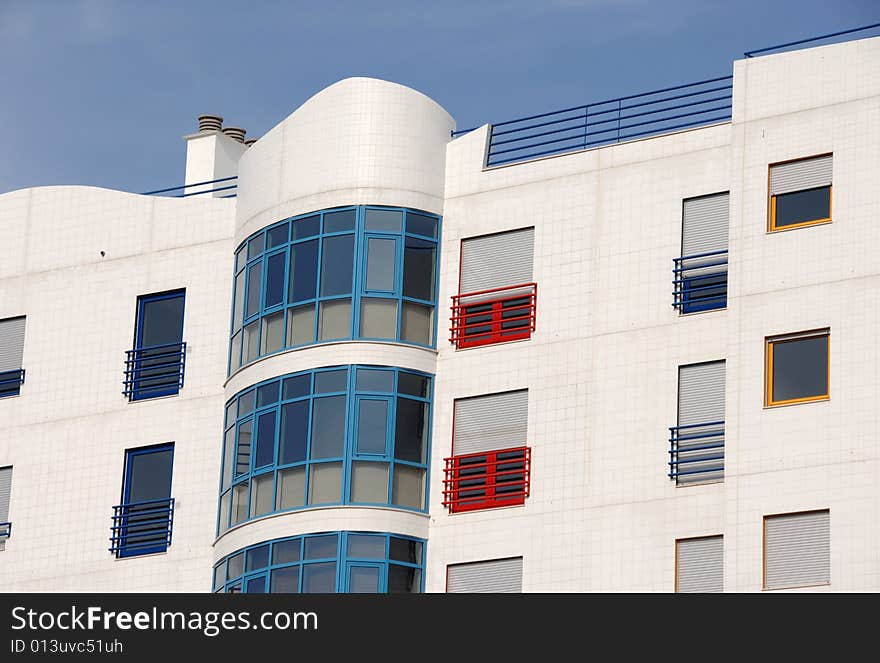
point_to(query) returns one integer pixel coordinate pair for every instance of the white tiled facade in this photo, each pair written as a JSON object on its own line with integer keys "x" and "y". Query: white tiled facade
{"x": 601, "y": 367}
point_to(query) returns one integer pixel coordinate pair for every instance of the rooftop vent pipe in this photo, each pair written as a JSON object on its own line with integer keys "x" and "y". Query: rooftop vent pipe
{"x": 250, "y": 141}
{"x": 236, "y": 133}
{"x": 210, "y": 123}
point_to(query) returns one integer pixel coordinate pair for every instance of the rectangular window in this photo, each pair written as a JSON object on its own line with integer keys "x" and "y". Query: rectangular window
{"x": 800, "y": 193}
{"x": 700, "y": 274}
{"x": 155, "y": 366}
{"x": 142, "y": 523}
{"x": 497, "y": 298}
{"x": 696, "y": 453}
{"x": 497, "y": 576}
{"x": 798, "y": 368}
{"x": 11, "y": 350}
{"x": 490, "y": 464}
{"x": 797, "y": 550}
{"x": 5, "y": 493}
{"x": 699, "y": 565}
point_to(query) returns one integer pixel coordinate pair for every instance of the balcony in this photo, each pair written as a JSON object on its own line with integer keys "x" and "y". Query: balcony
{"x": 141, "y": 528}
{"x": 5, "y": 531}
{"x": 696, "y": 453}
{"x": 486, "y": 480}
{"x": 10, "y": 382}
{"x": 154, "y": 371}
{"x": 493, "y": 316}
{"x": 700, "y": 282}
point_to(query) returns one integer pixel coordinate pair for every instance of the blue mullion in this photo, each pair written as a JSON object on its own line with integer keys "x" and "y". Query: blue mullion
{"x": 398, "y": 281}
{"x": 436, "y": 289}
{"x": 360, "y": 262}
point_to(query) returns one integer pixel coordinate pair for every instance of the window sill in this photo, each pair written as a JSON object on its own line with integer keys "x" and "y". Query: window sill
{"x": 799, "y": 226}
{"x": 774, "y": 406}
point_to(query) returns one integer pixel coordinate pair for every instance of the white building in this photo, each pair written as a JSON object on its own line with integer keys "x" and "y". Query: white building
{"x": 377, "y": 438}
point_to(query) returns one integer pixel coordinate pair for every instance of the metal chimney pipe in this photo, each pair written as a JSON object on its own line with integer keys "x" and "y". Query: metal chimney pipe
{"x": 210, "y": 123}
{"x": 236, "y": 133}
{"x": 250, "y": 141}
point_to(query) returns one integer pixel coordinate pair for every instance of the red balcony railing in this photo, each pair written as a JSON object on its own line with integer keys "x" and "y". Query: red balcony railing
{"x": 487, "y": 479}
{"x": 493, "y": 316}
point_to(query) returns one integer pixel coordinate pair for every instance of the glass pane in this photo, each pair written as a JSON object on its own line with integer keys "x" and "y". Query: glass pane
{"x": 417, "y": 323}
{"x": 419, "y": 262}
{"x": 255, "y": 282}
{"x": 372, "y": 426}
{"x": 294, "y": 432}
{"x": 250, "y": 345}
{"x": 235, "y": 357}
{"x": 291, "y": 488}
{"x": 219, "y": 575}
{"x": 285, "y": 581}
{"x": 330, "y": 381}
{"x": 378, "y": 318}
{"x": 246, "y": 403}
{"x": 236, "y": 566}
{"x": 243, "y": 456}
{"x": 328, "y": 427}
{"x": 410, "y": 440}
{"x": 370, "y": 379}
{"x": 415, "y": 385}
{"x": 336, "y": 265}
{"x": 262, "y": 495}
{"x": 277, "y": 236}
{"x": 335, "y": 222}
{"x": 228, "y": 456}
{"x": 301, "y": 325}
{"x": 161, "y": 321}
{"x": 403, "y": 579}
{"x": 801, "y": 206}
{"x": 240, "y": 258}
{"x": 234, "y": 589}
{"x": 369, "y": 483}
{"x": 405, "y": 550}
{"x": 284, "y": 552}
{"x": 335, "y": 319}
{"x": 224, "y": 511}
{"x": 256, "y": 246}
{"x": 303, "y": 271}
{"x": 297, "y": 386}
{"x": 306, "y": 227}
{"x": 325, "y": 483}
{"x": 257, "y": 558}
{"x": 149, "y": 476}
{"x": 230, "y": 413}
{"x": 239, "y": 503}
{"x": 800, "y": 368}
{"x": 383, "y": 220}
{"x": 381, "y": 259}
{"x": 265, "y": 451}
{"x": 268, "y": 394}
{"x": 320, "y": 547}
{"x": 238, "y": 306}
{"x": 319, "y": 578}
{"x": 363, "y": 580}
{"x": 409, "y": 486}
{"x": 366, "y": 546}
{"x": 273, "y": 333}
{"x": 275, "y": 279}
{"x": 420, "y": 224}
{"x": 255, "y": 585}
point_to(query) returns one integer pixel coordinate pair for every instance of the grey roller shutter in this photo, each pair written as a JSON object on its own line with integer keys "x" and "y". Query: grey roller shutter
{"x": 701, "y": 393}
{"x": 705, "y": 222}
{"x": 797, "y": 550}
{"x": 496, "y": 261}
{"x": 11, "y": 343}
{"x": 499, "y": 576}
{"x": 800, "y": 175}
{"x": 5, "y": 492}
{"x": 700, "y": 565}
{"x": 488, "y": 423}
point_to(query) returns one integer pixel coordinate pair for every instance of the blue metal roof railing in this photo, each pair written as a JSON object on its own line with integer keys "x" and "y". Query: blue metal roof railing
{"x": 230, "y": 187}
{"x": 830, "y": 35}
{"x": 696, "y": 452}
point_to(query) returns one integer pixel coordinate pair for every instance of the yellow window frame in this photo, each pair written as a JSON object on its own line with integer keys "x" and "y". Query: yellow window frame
{"x": 769, "y": 344}
{"x": 771, "y": 206}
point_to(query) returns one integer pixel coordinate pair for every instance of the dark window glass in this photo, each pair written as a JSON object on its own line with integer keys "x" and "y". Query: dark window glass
{"x": 802, "y": 206}
{"x": 161, "y": 321}
{"x": 285, "y": 581}
{"x": 255, "y": 282}
{"x": 363, "y": 579}
{"x": 419, "y": 224}
{"x": 243, "y": 455}
{"x": 257, "y": 558}
{"x": 418, "y": 269}
{"x": 306, "y": 227}
{"x": 319, "y": 578}
{"x": 236, "y": 566}
{"x": 701, "y": 293}
{"x": 240, "y": 259}
{"x": 404, "y": 550}
{"x": 256, "y": 246}
{"x": 320, "y": 547}
{"x": 372, "y": 422}
{"x": 298, "y": 386}
{"x": 286, "y": 551}
{"x": 149, "y": 475}
{"x": 383, "y": 220}
{"x": 267, "y": 394}
{"x": 409, "y": 441}
{"x": 328, "y": 427}
{"x": 329, "y": 381}
{"x": 145, "y": 524}
{"x": 402, "y": 579}
{"x": 337, "y": 222}
{"x": 246, "y": 403}
{"x": 255, "y": 585}
{"x": 370, "y": 379}
{"x": 412, "y": 384}
{"x": 800, "y": 368}
{"x": 336, "y": 265}
{"x": 275, "y": 279}
{"x": 380, "y": 264}
{"x": 294, "y": 432}
{"x": 265, "y": 439}
{"x": 230, "y": 413}
{"x": 366, "y": 546}
{"x": 303, "y": 271}
{"x": 277, "y": 236}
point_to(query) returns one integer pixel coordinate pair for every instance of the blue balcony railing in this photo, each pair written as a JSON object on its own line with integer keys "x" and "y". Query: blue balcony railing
{"x": 10, "y": 382}
{"x": 874, "y": 28}
{"x": 154, "y": 371}
{"x": 696, "y": 453}
{"x": 700, "y": 282}
{"x": 228, "y": 184}
{"x": 5, "y": 531}
{"x": 141, "y": 528}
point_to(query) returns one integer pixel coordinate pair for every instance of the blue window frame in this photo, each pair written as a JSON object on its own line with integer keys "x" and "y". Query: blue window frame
{"x": 335, "y": 435}
{"x": 142, "y": 523}
{"x": 359, "y": 272}
{"x": 155, "y": 366}
{"x": 328, "y": 562}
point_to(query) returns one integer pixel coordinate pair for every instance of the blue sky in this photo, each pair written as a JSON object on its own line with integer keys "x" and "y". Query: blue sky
{"x": 99, "y": 92}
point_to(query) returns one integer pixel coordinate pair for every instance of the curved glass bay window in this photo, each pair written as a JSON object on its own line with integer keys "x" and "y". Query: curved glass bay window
{"x": 339, "y": 435}
{"x": 352, "y": 562}
{"x": 347, "y": 273}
